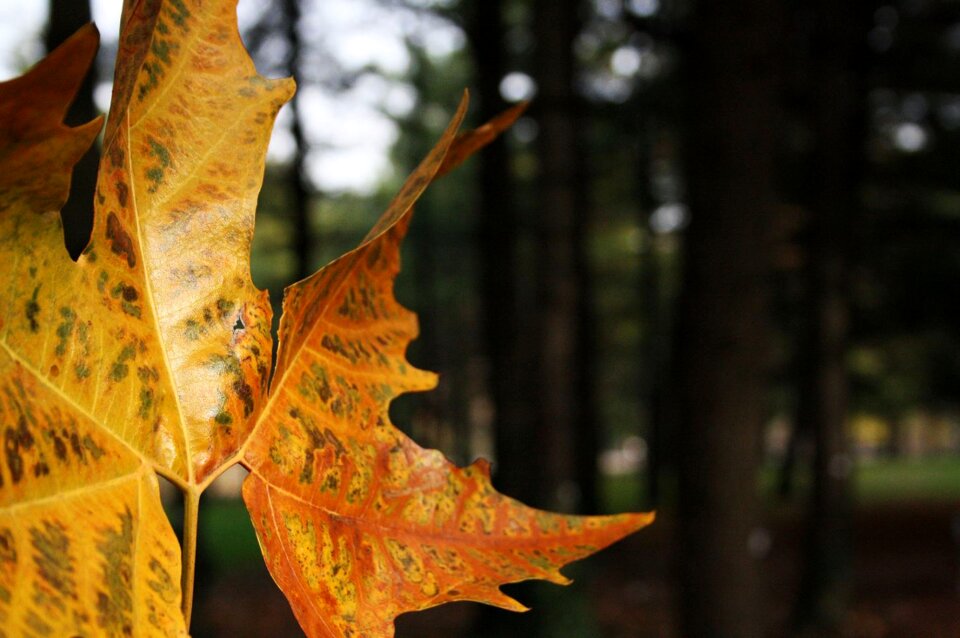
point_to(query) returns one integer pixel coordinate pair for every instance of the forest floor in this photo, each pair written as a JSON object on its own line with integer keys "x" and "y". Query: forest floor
{"x": 906, "y": 583}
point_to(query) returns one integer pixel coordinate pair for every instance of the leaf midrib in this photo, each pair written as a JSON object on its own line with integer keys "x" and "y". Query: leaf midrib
{"x": 148, "y": 289}
{"x": 378, "y": 523}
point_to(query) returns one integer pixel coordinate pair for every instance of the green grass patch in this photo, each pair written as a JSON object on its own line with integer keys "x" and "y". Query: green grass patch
{"x": 932, "y": 479}
{"x": 226, "y": 533}
{"x": 886, "y": 480}
{"x": 935, "y": 479}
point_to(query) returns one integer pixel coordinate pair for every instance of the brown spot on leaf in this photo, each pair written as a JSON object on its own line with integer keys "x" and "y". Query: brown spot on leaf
{"x": 15, "y": 440}
{"x": 245, "y": 392}
{"x": 12, "y": 451}
{"x": 76, "y": 447}
{"x": 335, "y": 442}
{"x": 123, "y": 192}
{"x": 59, "y": 447}
{"x": 116, "y": 155}
{"x": 8, "y": 546}
{"x": 32, "y": 310}
{"x": 120, "y": 242}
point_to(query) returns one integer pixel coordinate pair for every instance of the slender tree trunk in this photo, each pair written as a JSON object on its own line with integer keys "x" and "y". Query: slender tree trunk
{"x": 66, "y": 16}
{"x": 296, "y": 179}
{"x": 839, "y": 124}
{"x": 506, "y": 321}
{"x": 504, "y": 316}
{"x": 723, "y": 313}
{"x": 786, "y": 476}
{"x": 652, "y": 357}
{"x": 649, "y": 382}
{"x": 656, "y": 364}
{"x": 567, "y": 431}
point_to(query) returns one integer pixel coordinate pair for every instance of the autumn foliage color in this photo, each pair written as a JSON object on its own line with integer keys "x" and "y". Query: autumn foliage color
{"x": 151, "y": 355}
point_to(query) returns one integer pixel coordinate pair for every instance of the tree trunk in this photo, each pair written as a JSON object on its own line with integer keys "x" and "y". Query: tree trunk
{"x": 567, "y": 432}
{"x": 839, "y": 123}
{"x": 654, "y": 319}
{"x": 506, "y": 321}
{"x": 66, "y": 16}
{"x": 296, "y": 177}
{"x": 786, "y": 474}
{"x": 657, "y": 310}
{"x": 723, "y": 310}
{"x": 504, "y": 316}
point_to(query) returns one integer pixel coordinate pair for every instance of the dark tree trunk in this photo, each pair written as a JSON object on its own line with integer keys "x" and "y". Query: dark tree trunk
{"x": 504, "y": 316}
{"x": 296, "y": 177}
{"x": 66, "y": 16}
{"x": 786, "y": 475}
{"x": 655, "y": 344}
{"x": 838, "y": 111}
{"x": 567, "y": 432}
{"x": 722, "y": 335}
{"x": 506, "y": 320}
{"x": 656, "y": 364}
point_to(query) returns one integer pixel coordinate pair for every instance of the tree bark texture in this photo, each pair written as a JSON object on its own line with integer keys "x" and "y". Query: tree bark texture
{"x": 508, "y": 344}
{"x": 839, "y": 124}
{"x": 302, "y": 233}
{"x": 505, "y": 321}
{"x": 567, "y": 429}
{"x": 733, "y": 80}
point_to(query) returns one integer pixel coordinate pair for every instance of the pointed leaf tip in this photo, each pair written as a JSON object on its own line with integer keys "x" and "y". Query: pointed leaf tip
{"x": 39, "y": 151}
{"x": 469, "y": 142}
{"x": 481, "y": 466}
{"x": 51, "y": 85}
{"x": 423, "y": 175}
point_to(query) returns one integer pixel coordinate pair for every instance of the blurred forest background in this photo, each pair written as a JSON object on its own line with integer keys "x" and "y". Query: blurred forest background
{"x": 713, "y": 271}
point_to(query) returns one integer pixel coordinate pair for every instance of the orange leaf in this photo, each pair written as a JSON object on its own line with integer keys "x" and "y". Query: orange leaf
{"x": 358, "y": 523}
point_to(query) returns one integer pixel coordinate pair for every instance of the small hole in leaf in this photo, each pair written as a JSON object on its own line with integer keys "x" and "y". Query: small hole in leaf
{"x": 239, "y": 325}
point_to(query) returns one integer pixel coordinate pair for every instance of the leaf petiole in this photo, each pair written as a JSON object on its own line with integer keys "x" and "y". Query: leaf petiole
{"x": 191, "y": 508}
